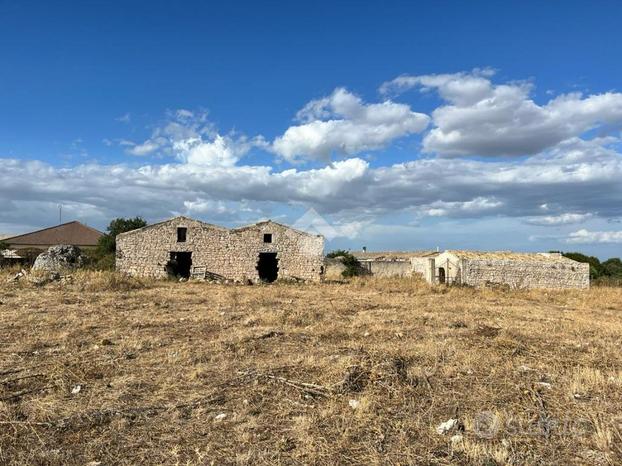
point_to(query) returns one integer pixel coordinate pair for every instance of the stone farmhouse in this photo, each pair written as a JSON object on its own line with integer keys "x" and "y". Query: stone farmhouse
{"x": 265, "y": 251}
{"x": 474, "y": 268}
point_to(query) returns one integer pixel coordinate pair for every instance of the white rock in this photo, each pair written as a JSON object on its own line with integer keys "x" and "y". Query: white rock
{"x": 546, "y": 385}
{"x": 456, "y": 439}
{"x": 220, "y": 417}
{"x": 354, "y": 404}
{"x": 76, "y": 389}
{"x": 446, "y": 426}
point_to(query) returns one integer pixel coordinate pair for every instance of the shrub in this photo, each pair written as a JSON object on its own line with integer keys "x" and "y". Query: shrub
{"x": 353, "y": 266}
{"x": 100, "y": 280}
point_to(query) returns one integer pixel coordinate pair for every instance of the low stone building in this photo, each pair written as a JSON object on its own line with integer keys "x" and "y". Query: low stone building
{"x": 474, "y": 268}
{"x": 181, "y": 246}
{"x": 394, "y": 264}
{"x": 517, "y": 270}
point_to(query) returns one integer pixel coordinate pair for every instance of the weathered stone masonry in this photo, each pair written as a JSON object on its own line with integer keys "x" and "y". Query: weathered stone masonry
{"x": 517, "y": 270}
{"x": 231, "y": 253}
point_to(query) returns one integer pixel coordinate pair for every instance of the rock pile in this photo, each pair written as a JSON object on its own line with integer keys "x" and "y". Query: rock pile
{"x": 59, "y": 258}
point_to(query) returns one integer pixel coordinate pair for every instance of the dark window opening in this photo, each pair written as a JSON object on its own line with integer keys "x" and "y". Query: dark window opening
{"x": 441, "y": 275}
{"x": 179, "y": 264}
{"x": 181, "y": 234}
{"x": 268, "y": 266}
{"x": 267, "y": 237}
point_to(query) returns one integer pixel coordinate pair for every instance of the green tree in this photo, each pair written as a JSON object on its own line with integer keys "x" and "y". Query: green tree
{"x": 596, "y": 269}
{"x": 612, "y": 267}
{"x": 107, "y": 244}
{"x": 103, "y": 257}
{"x": 3, "y": 245}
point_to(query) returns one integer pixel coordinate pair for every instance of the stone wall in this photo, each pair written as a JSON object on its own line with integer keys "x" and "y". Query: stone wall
{"x": 382, "y": 268}
{"x": 231, "y": 253}
{"x": 421, "y": 266}
{"x": 523, "y": 274}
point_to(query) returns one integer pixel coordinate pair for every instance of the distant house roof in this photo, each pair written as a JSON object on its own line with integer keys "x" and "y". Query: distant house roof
{"x": 510, "y": 255}
{"x": 391, "y": 255}
{"x": 74, "y": 233}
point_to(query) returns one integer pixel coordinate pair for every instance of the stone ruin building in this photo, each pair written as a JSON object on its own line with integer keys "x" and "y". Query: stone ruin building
{"x": 474, "y": 268}
{"x": 183, "y": 247}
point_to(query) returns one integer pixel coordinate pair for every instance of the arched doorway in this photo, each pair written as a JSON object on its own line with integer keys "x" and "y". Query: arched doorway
{"x": 441, "y": 275}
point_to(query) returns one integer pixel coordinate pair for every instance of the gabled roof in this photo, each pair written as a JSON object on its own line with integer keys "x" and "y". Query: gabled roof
{"x": 272, "y": 222}
{"x": 217, "y": 227}
{"x": 179, "y": 217}
{"x": 74, "y": 233}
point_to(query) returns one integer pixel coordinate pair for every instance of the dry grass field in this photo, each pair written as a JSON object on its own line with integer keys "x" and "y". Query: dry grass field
{"x": 106, "y": 370}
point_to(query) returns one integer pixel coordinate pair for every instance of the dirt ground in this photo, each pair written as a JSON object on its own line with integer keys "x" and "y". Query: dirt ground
{"x": 107, "y": 370}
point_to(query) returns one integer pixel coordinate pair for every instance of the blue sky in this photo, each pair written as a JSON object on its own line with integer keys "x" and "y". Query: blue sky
{"x": 406, "y": 125}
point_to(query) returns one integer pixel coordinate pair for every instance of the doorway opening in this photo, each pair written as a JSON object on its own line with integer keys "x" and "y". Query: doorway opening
{"x": 441, "y": 275}
{"x": 268, "y": 266}
{"x": 179, "y": 264}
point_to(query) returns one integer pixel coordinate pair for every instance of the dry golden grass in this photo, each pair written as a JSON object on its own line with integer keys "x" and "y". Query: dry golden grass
{"x": 357, "y": 373}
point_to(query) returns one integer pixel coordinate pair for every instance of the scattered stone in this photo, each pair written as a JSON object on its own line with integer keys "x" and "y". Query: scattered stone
{"x": 59, "y": 258}
{"x": 446, "y": 426}
{"x": 455, "y": 439}
{"x": 220, "y": 417}
{"x": 354, "y": 404}
{"x": 40, "y": 279}
{"x": 546, "y": 385}
{"x": 17, "y": 276}
{"x": 76, "y": 389}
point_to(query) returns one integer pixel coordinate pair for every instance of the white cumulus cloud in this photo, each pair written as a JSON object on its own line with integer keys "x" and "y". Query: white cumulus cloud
{"x": 584, "y": 236}
{"x": 343, "y": 124}
{"x": 483, "y": 118}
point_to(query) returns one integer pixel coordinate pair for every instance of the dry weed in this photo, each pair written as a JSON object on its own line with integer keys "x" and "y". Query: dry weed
{"x": 113, "y": 370}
